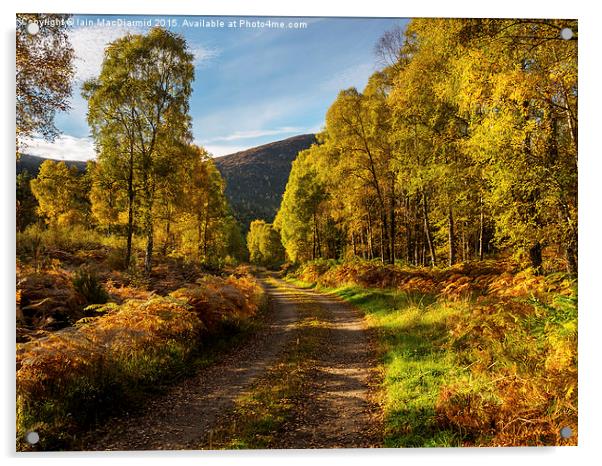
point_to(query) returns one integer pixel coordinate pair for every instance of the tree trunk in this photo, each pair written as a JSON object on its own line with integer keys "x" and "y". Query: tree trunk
{"x": 536, "y": 259}
{"x": 199, "y": 234}
{"x": 464, "y": 243}
{"x": 167, "y": 234}
{"x": 382, "y": 239}
{"x": 481, "y": 229}
{"x": 148, "y": 227}
{"x": 392, "y": 225}
{"x": 318, "y": 239}
{"x": 206, "y": 235}
{"x": 315, "y": 239}
{"x": 370, "y": 237}
{"x": 130, "y": 227}
{"x": 451, "y": 237}
{"x": 427, "y": 229}
{"x": 571, "y": 259}
{"x": 353, "y": 244}
{"x": 148, "y": 258}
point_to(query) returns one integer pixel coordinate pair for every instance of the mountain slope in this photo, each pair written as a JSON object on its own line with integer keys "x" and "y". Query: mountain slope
{"x": 256, "y": 178}
{"x": 32, "y": 163}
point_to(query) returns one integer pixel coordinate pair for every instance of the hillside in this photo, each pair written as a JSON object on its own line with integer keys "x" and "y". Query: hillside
{"x": 32, "y": 163}
{"x": 256, "y": 178}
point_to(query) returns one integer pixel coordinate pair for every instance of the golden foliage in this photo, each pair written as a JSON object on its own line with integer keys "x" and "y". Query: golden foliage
{"x": 513, "y": 338}
{"x": 74, "y": 373}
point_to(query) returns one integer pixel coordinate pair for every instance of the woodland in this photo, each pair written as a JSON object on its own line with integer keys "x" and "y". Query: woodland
{"x": 440, "y": 201}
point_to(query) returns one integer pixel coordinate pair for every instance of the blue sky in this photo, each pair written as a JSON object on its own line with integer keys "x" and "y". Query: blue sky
{"x": 253, "y": 85}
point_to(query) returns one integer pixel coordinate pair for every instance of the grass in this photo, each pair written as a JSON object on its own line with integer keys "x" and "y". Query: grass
{"x": 472, "y": 368}
{"x": 410, "y": 329}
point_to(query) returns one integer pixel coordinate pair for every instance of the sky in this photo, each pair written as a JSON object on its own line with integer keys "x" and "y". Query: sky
{"x": 254, "y": 83}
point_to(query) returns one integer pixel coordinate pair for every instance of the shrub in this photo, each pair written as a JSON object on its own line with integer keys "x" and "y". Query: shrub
{"x": 48, "y": 300}
{"x": 30, "y": 245}
{"x": 87, "y": 283}
{"x": 36, "y": 241}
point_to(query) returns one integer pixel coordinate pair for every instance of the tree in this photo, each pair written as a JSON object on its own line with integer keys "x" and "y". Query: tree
{"x": 358, "y": 128}
{"x": 519, "y": 87}
{"x": 61, "y": 194}
{"x": 26, "y": 202}
{"x": 204, "y": 200}
{"x": 138, "y": 110}
{"x": 107, "y": 197}
{"x": 300, "y": 217}
{"x": 44, "y": 63}
{"x": 264, "y": 245}
{"x": 465, "y": 143}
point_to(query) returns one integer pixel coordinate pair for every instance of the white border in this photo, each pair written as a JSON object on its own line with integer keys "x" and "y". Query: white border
{"x": 590, "y": 230}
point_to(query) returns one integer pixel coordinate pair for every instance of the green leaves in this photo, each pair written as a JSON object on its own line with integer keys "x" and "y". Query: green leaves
{"x": 264, "y": 245}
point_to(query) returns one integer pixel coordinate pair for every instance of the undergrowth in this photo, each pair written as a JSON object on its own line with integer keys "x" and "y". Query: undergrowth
{"x": 474, "y": 355}
{"x": 71, "y": 378}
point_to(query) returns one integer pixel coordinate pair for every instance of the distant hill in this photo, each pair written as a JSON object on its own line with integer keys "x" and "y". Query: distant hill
{"x": 32, "y": 163}
{"x": 256, "y": 178}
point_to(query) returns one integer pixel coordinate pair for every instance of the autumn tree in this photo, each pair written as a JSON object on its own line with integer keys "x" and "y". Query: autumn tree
{"x": 44, "y": 64}
{"x": 519, "y": 88}
{"x": 357, "y": 128}
{"x": 429, "y": 128}
{"x": 302, "y": 213}
{"x": 204, "y": 201}
{"x": 464, "y": 143}
{"x": 264, "y": 245}
{"x": 138, "y": 109}
{"x": 107, "y": 196}
{"x": 61, "y": 194}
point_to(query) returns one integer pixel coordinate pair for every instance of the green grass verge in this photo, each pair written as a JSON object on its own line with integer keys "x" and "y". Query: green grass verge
{"x": 411, "y": 331}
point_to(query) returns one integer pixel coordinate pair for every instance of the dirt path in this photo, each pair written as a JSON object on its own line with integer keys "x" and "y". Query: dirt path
{"x": 336, "y": 411}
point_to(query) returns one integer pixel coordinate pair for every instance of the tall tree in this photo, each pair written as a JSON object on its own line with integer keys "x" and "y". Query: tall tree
{"x": 44, "y": 64}
{"x": 300, "y": 217}
{"x": 519, "y": 86}
{"x": 138, "y": 106}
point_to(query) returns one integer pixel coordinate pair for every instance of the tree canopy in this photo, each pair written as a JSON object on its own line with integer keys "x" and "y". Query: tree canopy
{"x": 44, "y": 64}
{"x": 464, "y": 144}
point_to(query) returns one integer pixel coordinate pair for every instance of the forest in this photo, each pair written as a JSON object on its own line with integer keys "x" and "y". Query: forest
{"x": 463, "y": 146}
{"x": 436, "y": 211}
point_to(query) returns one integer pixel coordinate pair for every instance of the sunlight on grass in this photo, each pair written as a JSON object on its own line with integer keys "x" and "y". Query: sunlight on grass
{"x": 466, "y": 373}
{"x": 409, "y": 327}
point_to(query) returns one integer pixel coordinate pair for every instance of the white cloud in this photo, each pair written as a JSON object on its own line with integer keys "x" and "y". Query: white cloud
{"x": 237, "y": 135}
{"x": 63, "y": 148}
{"x": 218, "y": 151}
{"x": 89, "y": 43}
{"x": 202, "y": 55}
